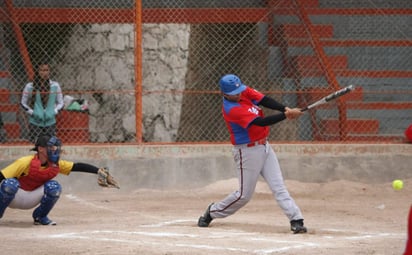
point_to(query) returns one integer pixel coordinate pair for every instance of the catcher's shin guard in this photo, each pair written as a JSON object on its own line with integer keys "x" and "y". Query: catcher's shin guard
{"x": 8, "y": 190}
{"x": 52, "y": 190}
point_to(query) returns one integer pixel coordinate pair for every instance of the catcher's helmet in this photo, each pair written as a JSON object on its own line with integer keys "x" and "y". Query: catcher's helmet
{"x": 230, "y": 84}
{"x": 49, "y": 142}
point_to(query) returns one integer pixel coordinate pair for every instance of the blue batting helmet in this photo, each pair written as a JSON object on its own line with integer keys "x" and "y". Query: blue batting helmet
{"x": 230, "y": 84}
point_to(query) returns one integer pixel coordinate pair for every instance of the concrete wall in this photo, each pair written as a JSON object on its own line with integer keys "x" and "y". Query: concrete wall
{"x": 191, "y": 166}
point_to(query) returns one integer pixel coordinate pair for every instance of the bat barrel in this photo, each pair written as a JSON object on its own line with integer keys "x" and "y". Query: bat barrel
{"x": 330, "y": 97}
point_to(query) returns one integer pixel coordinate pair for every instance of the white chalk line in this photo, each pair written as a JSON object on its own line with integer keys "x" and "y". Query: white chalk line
{"x": 92, "y": 235}
{"x": 285, "y": 245}
{"x": 86, "y": 203}
{"x": 165, "y": 223}
{"x": 358, "y": 235}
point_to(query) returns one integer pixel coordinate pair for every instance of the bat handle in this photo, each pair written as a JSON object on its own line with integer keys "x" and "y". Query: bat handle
{"x": 304, "y": 109}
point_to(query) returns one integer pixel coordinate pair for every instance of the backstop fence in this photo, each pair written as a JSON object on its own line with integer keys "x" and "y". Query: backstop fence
{"x": 147, "y": 71}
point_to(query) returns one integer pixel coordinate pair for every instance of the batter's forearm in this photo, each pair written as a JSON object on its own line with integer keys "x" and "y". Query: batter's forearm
{"x": 272, "y": 104}
{"x": 269, "y": 120}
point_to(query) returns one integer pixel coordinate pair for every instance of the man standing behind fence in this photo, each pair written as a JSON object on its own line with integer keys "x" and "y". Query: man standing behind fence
{"x": 42, "y": 99}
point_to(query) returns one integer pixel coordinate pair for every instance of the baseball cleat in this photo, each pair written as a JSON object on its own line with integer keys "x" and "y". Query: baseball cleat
{"x": 296, "y": 226}
{"x": 205, "y": 220}
{"x": 44, "y": 221}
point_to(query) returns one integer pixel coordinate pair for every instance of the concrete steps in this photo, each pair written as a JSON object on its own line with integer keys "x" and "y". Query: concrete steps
{"x": 354, "y": 126}
{"x": 290, "y": 33}
{"x": 309, "y": 66}
{"x": 366, "y": 120}
{"x": 289, "y": 4}
{"x": 7, "y": 108}
{"x": 352, "y": 57}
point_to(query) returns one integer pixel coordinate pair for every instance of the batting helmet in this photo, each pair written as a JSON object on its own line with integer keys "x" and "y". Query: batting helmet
{"x": 230, "y": 84}
{"x": 408, "y": 133}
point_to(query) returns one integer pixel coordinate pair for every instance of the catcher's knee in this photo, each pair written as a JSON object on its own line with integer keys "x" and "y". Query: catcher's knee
{"x": 9, "y": 187}
{"x": 8, "y": 190}
{"x": 52, "y": 188}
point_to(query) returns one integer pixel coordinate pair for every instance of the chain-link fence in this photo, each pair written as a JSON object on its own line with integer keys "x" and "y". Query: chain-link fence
{"x": 148, "y": 71}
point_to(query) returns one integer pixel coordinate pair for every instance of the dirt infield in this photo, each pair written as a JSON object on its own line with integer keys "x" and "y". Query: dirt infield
{"x": 342, "y": 217}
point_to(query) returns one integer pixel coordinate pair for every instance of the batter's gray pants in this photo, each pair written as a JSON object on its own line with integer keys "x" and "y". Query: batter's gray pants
{"x": 251, "y": 162}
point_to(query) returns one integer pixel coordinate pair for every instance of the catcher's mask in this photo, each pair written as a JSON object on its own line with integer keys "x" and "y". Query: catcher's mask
{"x": 53, "y": 145}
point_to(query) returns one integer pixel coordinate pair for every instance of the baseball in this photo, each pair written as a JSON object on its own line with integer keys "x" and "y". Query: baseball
{"x": 397, "y": 184}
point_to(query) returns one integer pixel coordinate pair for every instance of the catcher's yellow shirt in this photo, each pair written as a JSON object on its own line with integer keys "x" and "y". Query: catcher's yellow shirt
{"x": 21, "y": 166}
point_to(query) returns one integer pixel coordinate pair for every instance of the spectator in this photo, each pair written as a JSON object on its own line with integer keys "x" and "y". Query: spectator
{"x": 42, "y": 99}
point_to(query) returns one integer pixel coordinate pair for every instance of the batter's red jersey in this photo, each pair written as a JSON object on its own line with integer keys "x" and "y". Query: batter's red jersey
{"x": 239, "y": 115}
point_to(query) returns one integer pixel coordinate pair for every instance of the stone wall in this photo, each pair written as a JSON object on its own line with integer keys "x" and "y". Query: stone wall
{"x": 99, "y": 58}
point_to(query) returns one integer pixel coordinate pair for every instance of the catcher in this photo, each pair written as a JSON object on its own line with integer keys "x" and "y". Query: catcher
{"x": 28, "y": 181}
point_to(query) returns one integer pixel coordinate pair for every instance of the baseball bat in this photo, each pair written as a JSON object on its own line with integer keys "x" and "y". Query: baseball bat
{"x": 330, "y": 97}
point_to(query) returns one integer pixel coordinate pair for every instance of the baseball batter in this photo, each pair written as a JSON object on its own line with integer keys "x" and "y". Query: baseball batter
{"x": 28, "y": 181}
{"x": 253, "y": 155}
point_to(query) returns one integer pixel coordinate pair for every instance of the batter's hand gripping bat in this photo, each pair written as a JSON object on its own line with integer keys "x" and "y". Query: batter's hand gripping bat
{"x": 330, "y": 97}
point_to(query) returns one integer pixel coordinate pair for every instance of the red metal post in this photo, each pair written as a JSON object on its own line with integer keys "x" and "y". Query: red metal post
{"x": 138, "y": 72}
{"x": 20, "y": 39}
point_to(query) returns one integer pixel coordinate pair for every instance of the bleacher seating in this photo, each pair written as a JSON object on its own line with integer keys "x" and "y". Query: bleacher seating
{"x": 356, "y": 55}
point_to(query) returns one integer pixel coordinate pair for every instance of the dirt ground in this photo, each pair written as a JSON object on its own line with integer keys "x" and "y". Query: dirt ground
{"x": 342, "y": 218}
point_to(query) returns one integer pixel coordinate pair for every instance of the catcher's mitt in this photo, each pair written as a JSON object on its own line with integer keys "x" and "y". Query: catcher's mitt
{"x": 104, "y": 179}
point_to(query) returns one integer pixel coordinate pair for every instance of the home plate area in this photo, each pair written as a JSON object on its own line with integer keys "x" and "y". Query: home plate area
{"x": 180, "y": 236}
{"x": 342, "y": 218}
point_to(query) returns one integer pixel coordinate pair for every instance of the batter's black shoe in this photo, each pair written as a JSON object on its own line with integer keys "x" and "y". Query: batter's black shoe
{"x": 205, "y": 220}
{"x": 296, "y": 226}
